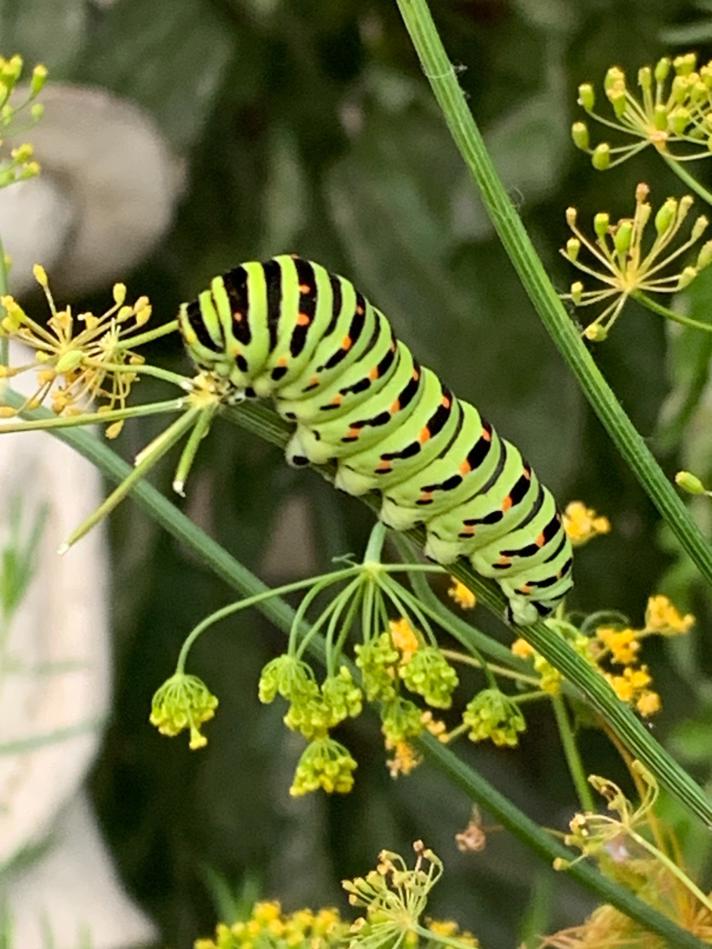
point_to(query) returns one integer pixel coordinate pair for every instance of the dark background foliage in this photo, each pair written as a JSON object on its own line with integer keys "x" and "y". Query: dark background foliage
{"x": 307, "y": 127}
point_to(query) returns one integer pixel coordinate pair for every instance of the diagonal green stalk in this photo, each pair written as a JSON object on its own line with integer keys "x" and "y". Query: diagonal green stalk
{"x": 443, "y": 80}
{"x": 669, "y": 314}
{"x": 571, "y": 753}
{"x": 281, "y": 614}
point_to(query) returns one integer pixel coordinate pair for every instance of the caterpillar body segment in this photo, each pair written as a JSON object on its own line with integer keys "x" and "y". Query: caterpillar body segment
{"x": 289, "y": 330}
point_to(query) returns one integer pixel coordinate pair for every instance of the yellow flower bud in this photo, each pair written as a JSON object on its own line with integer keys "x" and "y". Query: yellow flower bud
{"x": 573, "y": 247}
{"x": 699, "y": 227}
{"x": 678, "y": 120}
{"x": 595, "y": 333}
{"x": 665, "y": 216}
{"x": 704, "y": 258}
{"x": 645, "y": 78}
{"x": 69, "y": 360}
{"x": 576, "y": 292}
{"x": 119, "y": 293}
{"x": 660, "y": 117}
{"x": 662, "y": 69}
{"x": 623, "y": 237}
{"x": 39, "y": 78}
{"x": 686, "y": 277}
{"x": 40, "y": 275}
{"x": 615, "y": 77}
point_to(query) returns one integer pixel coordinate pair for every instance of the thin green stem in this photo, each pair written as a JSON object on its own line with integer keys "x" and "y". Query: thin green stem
{"x": 131, "y": 342}
{"x": 480, "y": 664}
{"x": 248, "y": 602}
{"x": 92, "y": 418}
{"x": 684, "y": 175}
{"x": 142, "y": 369}
{"x": 572, "y": 755}
{"x": 450, "y": 97}
{"x": 661, "y": 310}
{"x": 672, "y": 868}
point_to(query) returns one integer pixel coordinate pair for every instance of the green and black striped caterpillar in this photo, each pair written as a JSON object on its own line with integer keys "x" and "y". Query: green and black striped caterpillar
{"x": 290, "y": 330}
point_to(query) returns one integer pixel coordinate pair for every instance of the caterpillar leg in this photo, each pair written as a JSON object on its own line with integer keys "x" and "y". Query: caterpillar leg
{"x": 521, "y": 612}
{"x": 304, "y": 448}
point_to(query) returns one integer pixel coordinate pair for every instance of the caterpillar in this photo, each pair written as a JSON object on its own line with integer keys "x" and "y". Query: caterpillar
{"x": 289, "y": 330}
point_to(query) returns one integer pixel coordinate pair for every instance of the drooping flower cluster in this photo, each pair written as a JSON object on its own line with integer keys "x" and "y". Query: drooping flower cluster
{"x": 393, "y": 898}
{"x": 613, "y": 647}
{"x": 671, "y": 111}
{"x": 582, "y": 523}
{"x": 183, "y": 702}
{"x": 624, "y": 263}
{"x": 493, "y": 716}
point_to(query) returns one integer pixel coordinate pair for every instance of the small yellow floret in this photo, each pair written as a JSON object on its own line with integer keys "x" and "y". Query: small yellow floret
{"x": 462, "y": 595}
{"x": 661, "y": 616}
{"x": 623, "y": 643}
{"x": 404, "y": 638}
{"x": 522, "y": 649}
{"x": 582, "y": 523}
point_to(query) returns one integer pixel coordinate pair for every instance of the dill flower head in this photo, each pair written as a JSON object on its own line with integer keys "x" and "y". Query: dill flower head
{"x": 493, "y": 715}
{"x": 625, "y": 263}
{"x": 622, "y": 644}
{"x": 183, "y": 702}
{"x": 286, "y": 676}
{"x": 462, "y": 595}
{"x": 429, "y": 674}
{"x": 314, "y": 711}
{"x": 401, "y": 720}
{"x": 269, "y": 927}
{"x": 582, "y": 523}
{"x": 668, "y": 108}
{"x": 78, "y": 359}
{"x": 325, "y": 764}
{"x": 394, "y": 898}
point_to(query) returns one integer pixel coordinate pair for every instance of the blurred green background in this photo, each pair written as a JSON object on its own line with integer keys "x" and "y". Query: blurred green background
{"x": 306, "y": 126}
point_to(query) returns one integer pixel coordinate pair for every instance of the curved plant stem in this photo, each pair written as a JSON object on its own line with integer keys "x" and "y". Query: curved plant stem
{"x": 281, "y": 614}
{"x": 669, "y": 314}
{"x": 443, "y": 81}
{"x": 684, "y": 175}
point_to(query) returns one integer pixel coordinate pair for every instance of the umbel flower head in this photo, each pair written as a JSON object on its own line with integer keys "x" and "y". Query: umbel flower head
{"x": 183, "y": 702}
{"x": 493, "y": 715}
{"x": 624, "y": 262}
{"x": 669, "y": 108}
{"x": 325, "y": 764}
{"x": 77, "y": 359}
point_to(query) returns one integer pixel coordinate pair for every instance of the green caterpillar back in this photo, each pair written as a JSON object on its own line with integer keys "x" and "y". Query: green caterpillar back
{"x": 289, "y": 330}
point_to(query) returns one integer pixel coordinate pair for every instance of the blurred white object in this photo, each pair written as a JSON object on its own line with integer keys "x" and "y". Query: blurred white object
{"x": 54, "y": 696}
{"x": 104, "y": 198}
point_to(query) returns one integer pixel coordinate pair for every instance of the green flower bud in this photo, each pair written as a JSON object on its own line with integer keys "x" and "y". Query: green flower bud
{"x": 286, "y": 676}
{"x": 39, "y": 78}
{"x": 679, "y": 89}
{"x": 586, "y": 96}
{"x": 573, "y": 247}
{"x": 601, "y": 158}
{"x": 660, "y": 118}
{"x": 576, "y": 292}
{"x": 678, "y": 120}
{"x": 615, "y": 77}
{"x": 645, "y": 78}
{"x": 595, "y": 333}
{"x": 689, "y": 482}
{"x": 623, "y": 237}
{"x": 699, "y": 227}
{"x": 619, "y": 102}
{"x": 36, "y": 111}
{"x": 665, "y": 217}
{"x": 704, "y": 258}
{"x": 492, "y": 715}
{"x": 580, "y": 136}
{"x": 662, "y": 69}
{"x": 601, "y": 223}
{"x": 686, "y": 277}
{"x": 685, "y": 64}
{"x": 69, "y": 361}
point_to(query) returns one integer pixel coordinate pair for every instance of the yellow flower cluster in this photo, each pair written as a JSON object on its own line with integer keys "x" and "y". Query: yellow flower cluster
{"x": 616, "y": 644}
{"x": 582, "y": 523}
{"x": 77, "y": 359}
{"x": 21, "y": 163}
{"x": 268, "y": 926}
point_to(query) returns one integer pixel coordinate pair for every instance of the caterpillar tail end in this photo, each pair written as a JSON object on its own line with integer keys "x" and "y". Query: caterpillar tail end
{"x": 521, "y": 612}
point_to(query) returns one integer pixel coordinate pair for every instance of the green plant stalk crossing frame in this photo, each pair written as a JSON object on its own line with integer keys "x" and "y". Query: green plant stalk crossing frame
{"x": 443, "y": 80}
{"x": 266, "y": 424}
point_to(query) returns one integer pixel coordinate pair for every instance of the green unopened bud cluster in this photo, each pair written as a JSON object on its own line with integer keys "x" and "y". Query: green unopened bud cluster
{"x": 429, "y": 674}
{"x": 670, "y": 104}
{"x": 21, "y": 163}
{"x": 183, "y": 702}
{"x": 493, "y": 716}
{"x": 325, "y": 764}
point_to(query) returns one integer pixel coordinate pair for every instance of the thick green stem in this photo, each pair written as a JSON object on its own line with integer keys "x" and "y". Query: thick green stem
{"x": 571, "y": 753}
{"x": 444, "y": 83}
{"x": 281, "y": 614}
